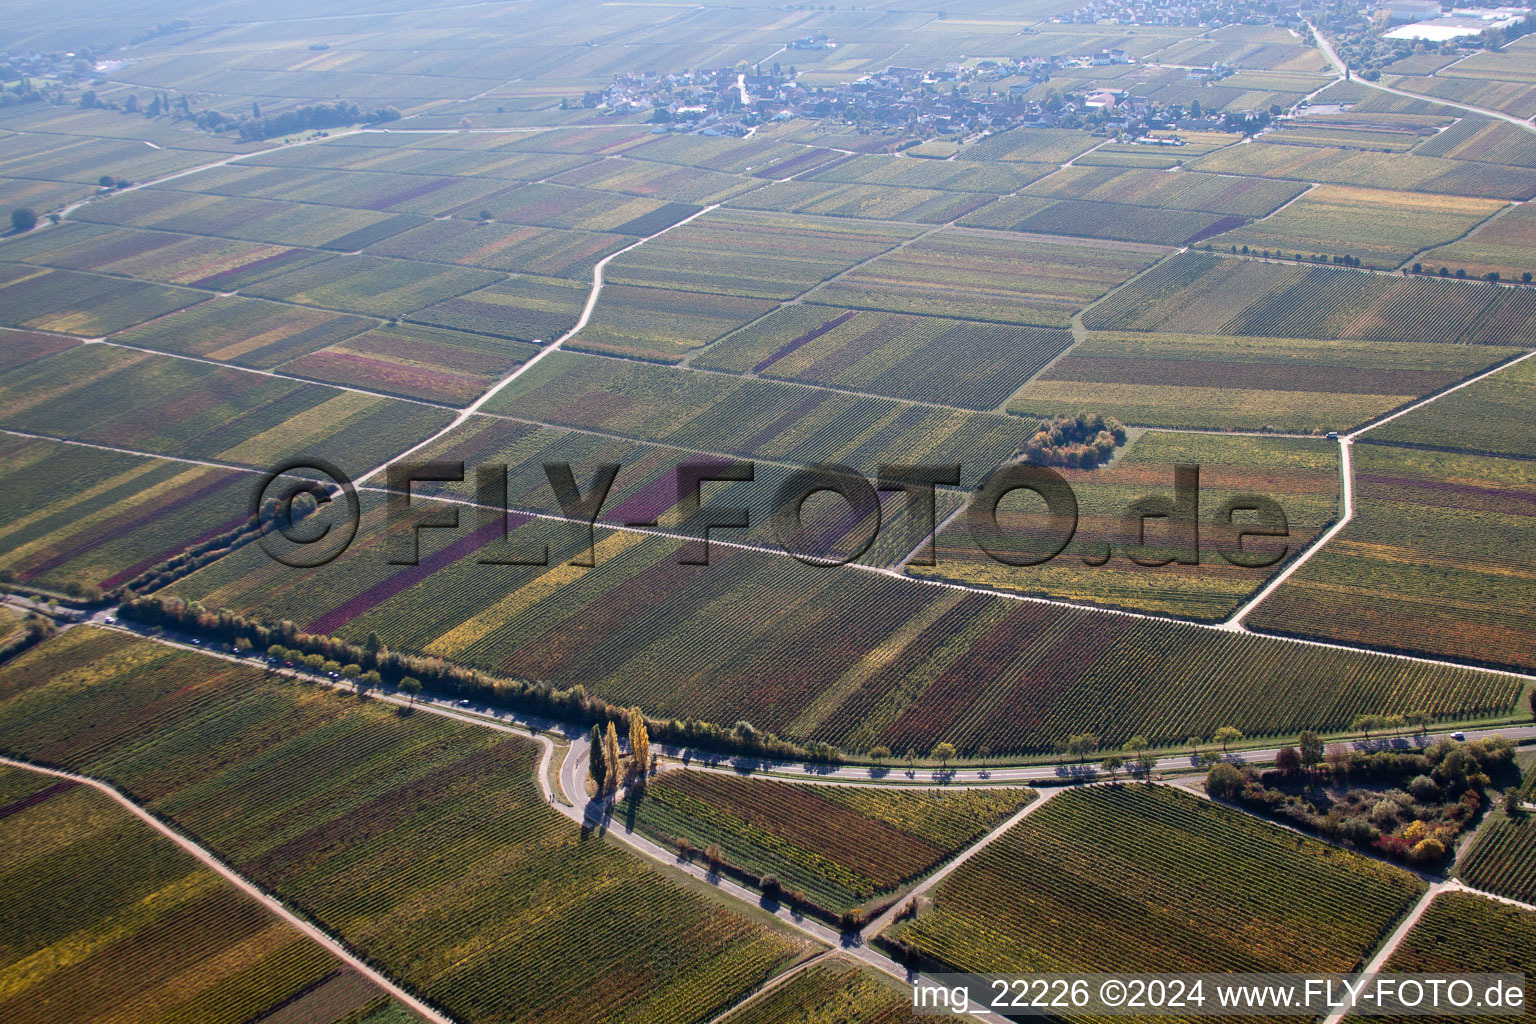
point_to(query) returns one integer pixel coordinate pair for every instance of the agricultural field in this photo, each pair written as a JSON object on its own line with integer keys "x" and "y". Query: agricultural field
{"x": 86, "y": 305}
{"x": 104, "y": 916}
{"x": 946, "y": 175}
{"x": 253, "y": 220}
{"x": 984, "y": 275}
{"x": 656, "y": 181}
{"x": 561, "y": 206}
{"x": 1248, "y": 46}
{"x": 1482, "y": 139}
{"x": 868, "y": 202}
{"x": 1302, "y": 476}
{"x": 645, "y": 489}
{"x": 921, "y": 358}
{"x": 248, "y": 332}
{"x": 415, "y": 362}
{"x": 421, "y": 194}
{"x": 1517, "y": 98}
{"x": 371, "y": 285}
{"x": 81, "y": 517}
{"x": 1203, "y": 293}
{"x": 1298, "y": 385}
{"x": 1393, "y": 172}
{"x": 1382, "y": 229}
{"x": 754, "y": 254}
{"x": 1502, "y": 859}
{"x": 161, "y": 256}
{"x": 855, "y": 658}
{"x": 1029, "y": 145}
{"x": 837, "y": 988}
{"x": 19, "y": 347}
{"x": 1431, "y": 564}
{"x": 1098, "y": 220}
{"x": 459, "y": 880}
{"x": 519, "y": 308}
{"x": 841, "y": 846}
{"x": 165, "y": 406}
{"x": 1502, "y": 245}
{"x": 1495, "y": 416}
{"x": 1138, "y": 878}
{"x": 756, "y": 418}
{"x": 545, "y": 252}
{"x": 1463, "y": 933}
{"x": 663, "y": 324}
{"x": 1182, "y": 190}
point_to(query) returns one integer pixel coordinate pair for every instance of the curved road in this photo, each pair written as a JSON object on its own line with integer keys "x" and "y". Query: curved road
{"x": 1338, "y": 65}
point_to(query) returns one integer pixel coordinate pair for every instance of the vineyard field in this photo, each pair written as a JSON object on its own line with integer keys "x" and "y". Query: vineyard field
{"x": 920, "y": 358}
{"x": 1192, "y": 291}
{"x": 1301, "y": 476}
{"x": 104, "y": 916}
{"x": 1382, "y": 229}
{"x": 85, "y": 305}
{"x": 415, "y": 362}
{"x": 754, "y": 254}
{"x": 663, "y": 324}
{"x": 841, "y": 846}
{"x": 559, "y": 206}
{"x": 249, "y": 332}
{"x": 254, "y": 220}
{"x": 1431, "y": 564}
{"x": 380, "y": 191}
{"x": 984, "y": 275}
{"x": 681, "y": 640}
{"x": 545, "y": 252}
{"x": 1132, "y": 878}
{"x": 757, "y": 418}
{"x": 863, "y": 201}
{"x": 645, "y": 488}
{"x": 1293, "y": 384}
{"x": 655, "y": 181}
{"x": 162, "y": 256}
{"x": 165, "y": 406}
{"x": 1495, "y": 416}
{"x": 1503, "y": 859}
{"x": 1462, "y": 933}
{"x": 1098, "y": 220}
{"x": 1503, "y": 245}
{"x": 371, "y": 285}
{"x": 519, "y": 308}
{"x": 93, "y": 518}
{"x": 837, "y": 989}
{"x": 1396, "y": 171}
{"x": 457, "y": 878}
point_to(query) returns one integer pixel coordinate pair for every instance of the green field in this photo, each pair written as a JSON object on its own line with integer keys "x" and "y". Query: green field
{"x": 1300, "y": 475}
{"x": 1231, "y": 383}
{"x": 421, "y": 842}
{"x": 1130, "y": 878}
{"x": 982, "y": 275}
{"x": 841, "y": 846}
{"x": 1431, "y": 564}
{"x": 105, "y": 917}
{"x": 1381, "y": 229}
{"x": 1462, "y": 933}
{"x": 1204, "y": 293}
{"x": 832, "y": 991}
{"x": 1495, "y": 416}
{"x": 85, "y": 517}
{"x": 165, "y": 406}
{"x": 920, "y": 358}
{"x": 856, "y": 658}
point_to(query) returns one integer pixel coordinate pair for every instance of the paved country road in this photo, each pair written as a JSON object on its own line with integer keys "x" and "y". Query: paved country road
{"x": 1333, "y": 58}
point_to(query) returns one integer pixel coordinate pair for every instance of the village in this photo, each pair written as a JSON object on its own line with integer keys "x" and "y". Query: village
{"x": 956, "y": 100}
